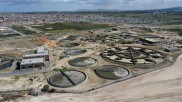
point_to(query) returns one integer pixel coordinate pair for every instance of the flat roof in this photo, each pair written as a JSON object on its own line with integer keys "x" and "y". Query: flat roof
{"x": 32, "y": 61}
{"x": 41, "y": 49}
{"x": 37, "y": 54}
{"x": 154, "y": 39}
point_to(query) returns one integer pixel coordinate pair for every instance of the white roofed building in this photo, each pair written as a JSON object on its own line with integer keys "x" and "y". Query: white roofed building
{"x": 32, "y": 63}
{"x": 35, "y": 60}
{"x": 41, "y": 49}
{"x": 40, "y": 53}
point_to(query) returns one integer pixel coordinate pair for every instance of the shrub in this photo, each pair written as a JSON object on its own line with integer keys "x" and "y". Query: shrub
{"x": 46, "y": 88}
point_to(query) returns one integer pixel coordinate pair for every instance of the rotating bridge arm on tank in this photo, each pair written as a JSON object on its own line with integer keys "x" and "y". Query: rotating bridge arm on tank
{"x": 131, "y": 53}
{"x": 73, "y": 83}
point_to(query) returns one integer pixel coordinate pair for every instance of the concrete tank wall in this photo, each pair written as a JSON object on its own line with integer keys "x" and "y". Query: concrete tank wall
{"x": 8, "y": 64}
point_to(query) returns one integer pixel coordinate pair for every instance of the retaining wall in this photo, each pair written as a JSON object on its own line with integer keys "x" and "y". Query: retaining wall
{"x": 8, "y": 64}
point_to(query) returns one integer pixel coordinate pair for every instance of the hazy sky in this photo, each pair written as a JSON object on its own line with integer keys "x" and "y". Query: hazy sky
{"x": 69, "y": 5}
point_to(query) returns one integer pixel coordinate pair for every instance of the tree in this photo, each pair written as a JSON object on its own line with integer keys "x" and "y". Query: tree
{"x": 46, "y": 88}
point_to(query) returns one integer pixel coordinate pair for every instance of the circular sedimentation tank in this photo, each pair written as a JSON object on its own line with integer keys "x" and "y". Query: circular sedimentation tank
{"x": 75, "y": 51}
{"x": 65, "y": 40}
{"x": 112, "y": 72}
{"x": 65, "y": 79}
{"x": 70, "y": 38}
{"x": 133, "y": 55}
{"x": 71, "y": 45}
{"x": 82, "y": 61}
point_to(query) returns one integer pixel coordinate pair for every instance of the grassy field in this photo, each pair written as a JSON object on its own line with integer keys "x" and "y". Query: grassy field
{"x": 23, "y": 30}
{"x": 177, "y": 30}
{"x": 63, "y": 27}
{"x": 65, "y": 30}
{"x": 9, "y": 35}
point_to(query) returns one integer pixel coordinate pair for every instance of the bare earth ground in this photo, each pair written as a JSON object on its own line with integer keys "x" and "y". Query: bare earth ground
{"x": 163, "y": 85}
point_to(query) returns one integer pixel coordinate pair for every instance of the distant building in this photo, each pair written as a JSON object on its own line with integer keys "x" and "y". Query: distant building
{"x": 150, "y": 39}
{"x": 5, "y": 30}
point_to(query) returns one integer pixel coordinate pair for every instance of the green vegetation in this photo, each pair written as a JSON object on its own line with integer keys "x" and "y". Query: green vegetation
{"x": 57, "y": 70}
{"x": 67, "y": 26}
{"x": 64, "y": 69}
{"x": 65, "y": 30}
{"x": 177, "y": 30}
{"x": 121, "y": 41}
{"x": 17, "y": 78}
{"x": 116, "y": 34}
{"x": 46, "y": 87}
{"x": 9, "y": 35}
{"x": 23, "y": 30}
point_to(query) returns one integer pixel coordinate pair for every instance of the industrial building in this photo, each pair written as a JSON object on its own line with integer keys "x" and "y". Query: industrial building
{"x": 35, "y": 60}
{"x": 40, "y": 53}
{"x": 5, "y": 30}
{"x": 32, "y": 63}
{"x": 150, "y": 39}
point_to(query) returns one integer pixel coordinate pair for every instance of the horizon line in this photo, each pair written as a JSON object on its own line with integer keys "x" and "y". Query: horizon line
{"x": 88, "y": 10}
